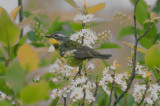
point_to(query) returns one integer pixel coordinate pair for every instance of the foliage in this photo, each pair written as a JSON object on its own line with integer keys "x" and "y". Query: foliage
{"x": 24, "y": 76}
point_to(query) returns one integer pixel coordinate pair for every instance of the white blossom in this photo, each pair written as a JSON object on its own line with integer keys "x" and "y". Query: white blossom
{"x": 54, "y": 79}
{"x": 91, "y": 66}
{"x": 51, "y": 49}
{"x": 84, "y": 18}
{"x": 89, "y": 37}
{"x": 2, "y": 95}
{"x": 37, "y": 78}
{"x": 77, "y": 94}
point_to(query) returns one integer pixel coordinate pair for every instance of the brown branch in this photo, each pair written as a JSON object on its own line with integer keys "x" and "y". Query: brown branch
{"x": 149, "y": 27}
{"x": 65, "y": 102}
{"x": 95, "y": 93}
{"x": 144, "y": 95}
{"x": 20, "y": 15}
{"x": 111, "y": 93}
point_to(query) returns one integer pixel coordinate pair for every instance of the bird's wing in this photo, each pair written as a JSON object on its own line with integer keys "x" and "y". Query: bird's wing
{"x": 68, "y": 46}
{"x": 84, "y": 52}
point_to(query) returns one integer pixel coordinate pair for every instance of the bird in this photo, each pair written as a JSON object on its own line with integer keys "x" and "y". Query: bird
{"x": 73, "y": 51}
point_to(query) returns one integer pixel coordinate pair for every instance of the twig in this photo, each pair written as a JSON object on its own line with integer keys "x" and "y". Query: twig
{"x": 111, "y": 93}
{"x": 144, "y": 95}
{"x": 65, "y": 104}
{"x": 95, "y": 93}
{"x": 115, "y": 93}
{"x": 20, "y": 15}
{"x": 135, "y": 55}
{"x": 145, "y": 32}
{"x": 84, "y": 97}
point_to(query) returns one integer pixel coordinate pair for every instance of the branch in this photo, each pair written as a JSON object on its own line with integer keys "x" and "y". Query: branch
{"x": 115, "y": 93}
{"x": 144, "y": 95}
{"x": 111, "y": 93}
{"x": 95, "y": 93}
{"x": 20, "y": 15}
{"x": 65, "y": 103}
{"x": 134, "y": 58}
{"x": 149, "y": 27}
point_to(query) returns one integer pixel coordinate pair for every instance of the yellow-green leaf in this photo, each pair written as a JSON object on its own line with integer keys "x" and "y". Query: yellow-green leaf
{"x": 9, "y": 31}
{"x": 28, "y": 20}
{"x": 152, "y": 57}
{"x": 139, "y": 48}
{"x": 14, "y": 13}
{"x": 72, "y": 3}
{"x": 34, "y": 93}
{"x": 84, "y": 5}
{"x": 96, "y": 8}
{"x": 28, "y": 57}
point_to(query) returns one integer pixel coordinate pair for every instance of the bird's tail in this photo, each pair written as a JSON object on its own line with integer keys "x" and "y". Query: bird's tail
{"x": 103, "y": 56}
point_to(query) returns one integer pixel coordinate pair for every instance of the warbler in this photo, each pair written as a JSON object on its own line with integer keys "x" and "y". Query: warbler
{"x": 73, "y": 51}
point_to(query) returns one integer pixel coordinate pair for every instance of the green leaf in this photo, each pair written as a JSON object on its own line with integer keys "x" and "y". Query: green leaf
{"x": 96, "y": 8}
{"x": 77, "y": 26}
{"x": 54, "y": 102}
{"x": 128, "y": 30}
{"x": 150, "y": 37}
{"x": 31, "y": 36}
{"x": 152, "y": 57}
{"x": 56, "y": 26}
{"x": 142, "y": 11}
{"x": 106, "y": 45}
{"x": 104, "y": 101}
{"x": 34, "y": 93}
{"x": 15, "y": 77}
{"x": 14, "y": 12}
{"x": 5, "y": 103}
{"x": 156, "y": 74}
{"x": 129, "y": 99}
{"x": 157, "y": 7}
{"x": 2, "y": 68}
{"x": 3, "y": 87}
{"x": 9, "y": 31}
{"x": 72, "y": 3}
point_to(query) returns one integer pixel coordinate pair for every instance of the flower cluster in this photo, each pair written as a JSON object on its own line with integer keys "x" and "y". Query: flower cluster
{"x": 2, "y": 95}
{"x": 119, "y": 79}
{"x": 59, "y": 68}
{"x": 76, "y": 89}
{"x": 84, "y": 18}
{"x": 89, "y": 37}
{"x": 151, "y": 94}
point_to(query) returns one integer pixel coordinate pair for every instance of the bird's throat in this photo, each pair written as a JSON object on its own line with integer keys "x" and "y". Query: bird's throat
{"x": 54, "y": 41}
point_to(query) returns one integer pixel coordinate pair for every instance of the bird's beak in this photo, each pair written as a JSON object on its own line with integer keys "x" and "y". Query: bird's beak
{"x": 48, "y": 36}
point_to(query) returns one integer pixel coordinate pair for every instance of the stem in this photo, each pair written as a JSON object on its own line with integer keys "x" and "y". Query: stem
{"x": 83, "y": 25}
{"x": 20, "y": 15}
{"x": 65, "y": 104}
{"x": 149, "y": 27}
{"x": 144, "y": 95}
{"x": 115, "y": 93}
{"x": 111, "y": 94}
{"x": 84, "y": 97}
{"x": 95, "y": 93}
{"x": 135, "y": 54}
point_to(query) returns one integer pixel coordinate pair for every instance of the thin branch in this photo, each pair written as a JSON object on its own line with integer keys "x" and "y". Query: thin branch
{"x": 95, "y": 93}
{"x": 20, "y": 15}
{"x": 65, "y": 102}
{"x": 144, "y": 95}
{"x": 84, "y": 97}
{"x": 134, "y": 58}
{"x": 149, "y": 27}
{"x": 111, "y": 93}
{"x": 115, "y": 93}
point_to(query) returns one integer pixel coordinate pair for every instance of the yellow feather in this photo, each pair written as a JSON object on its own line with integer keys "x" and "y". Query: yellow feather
{"x": 53, "y": 41}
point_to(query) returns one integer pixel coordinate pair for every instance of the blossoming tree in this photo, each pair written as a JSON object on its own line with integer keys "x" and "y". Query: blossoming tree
{"x": 62, "y": 84}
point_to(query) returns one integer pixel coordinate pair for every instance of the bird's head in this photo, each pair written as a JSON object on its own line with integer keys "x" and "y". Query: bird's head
{"x": 57, "y": 37}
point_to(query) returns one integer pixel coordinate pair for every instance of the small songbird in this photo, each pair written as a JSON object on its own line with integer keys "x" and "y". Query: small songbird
{"x": 73, "y": 51}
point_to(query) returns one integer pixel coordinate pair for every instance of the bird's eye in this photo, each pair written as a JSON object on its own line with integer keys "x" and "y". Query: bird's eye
{"x": 56, "y": 35}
